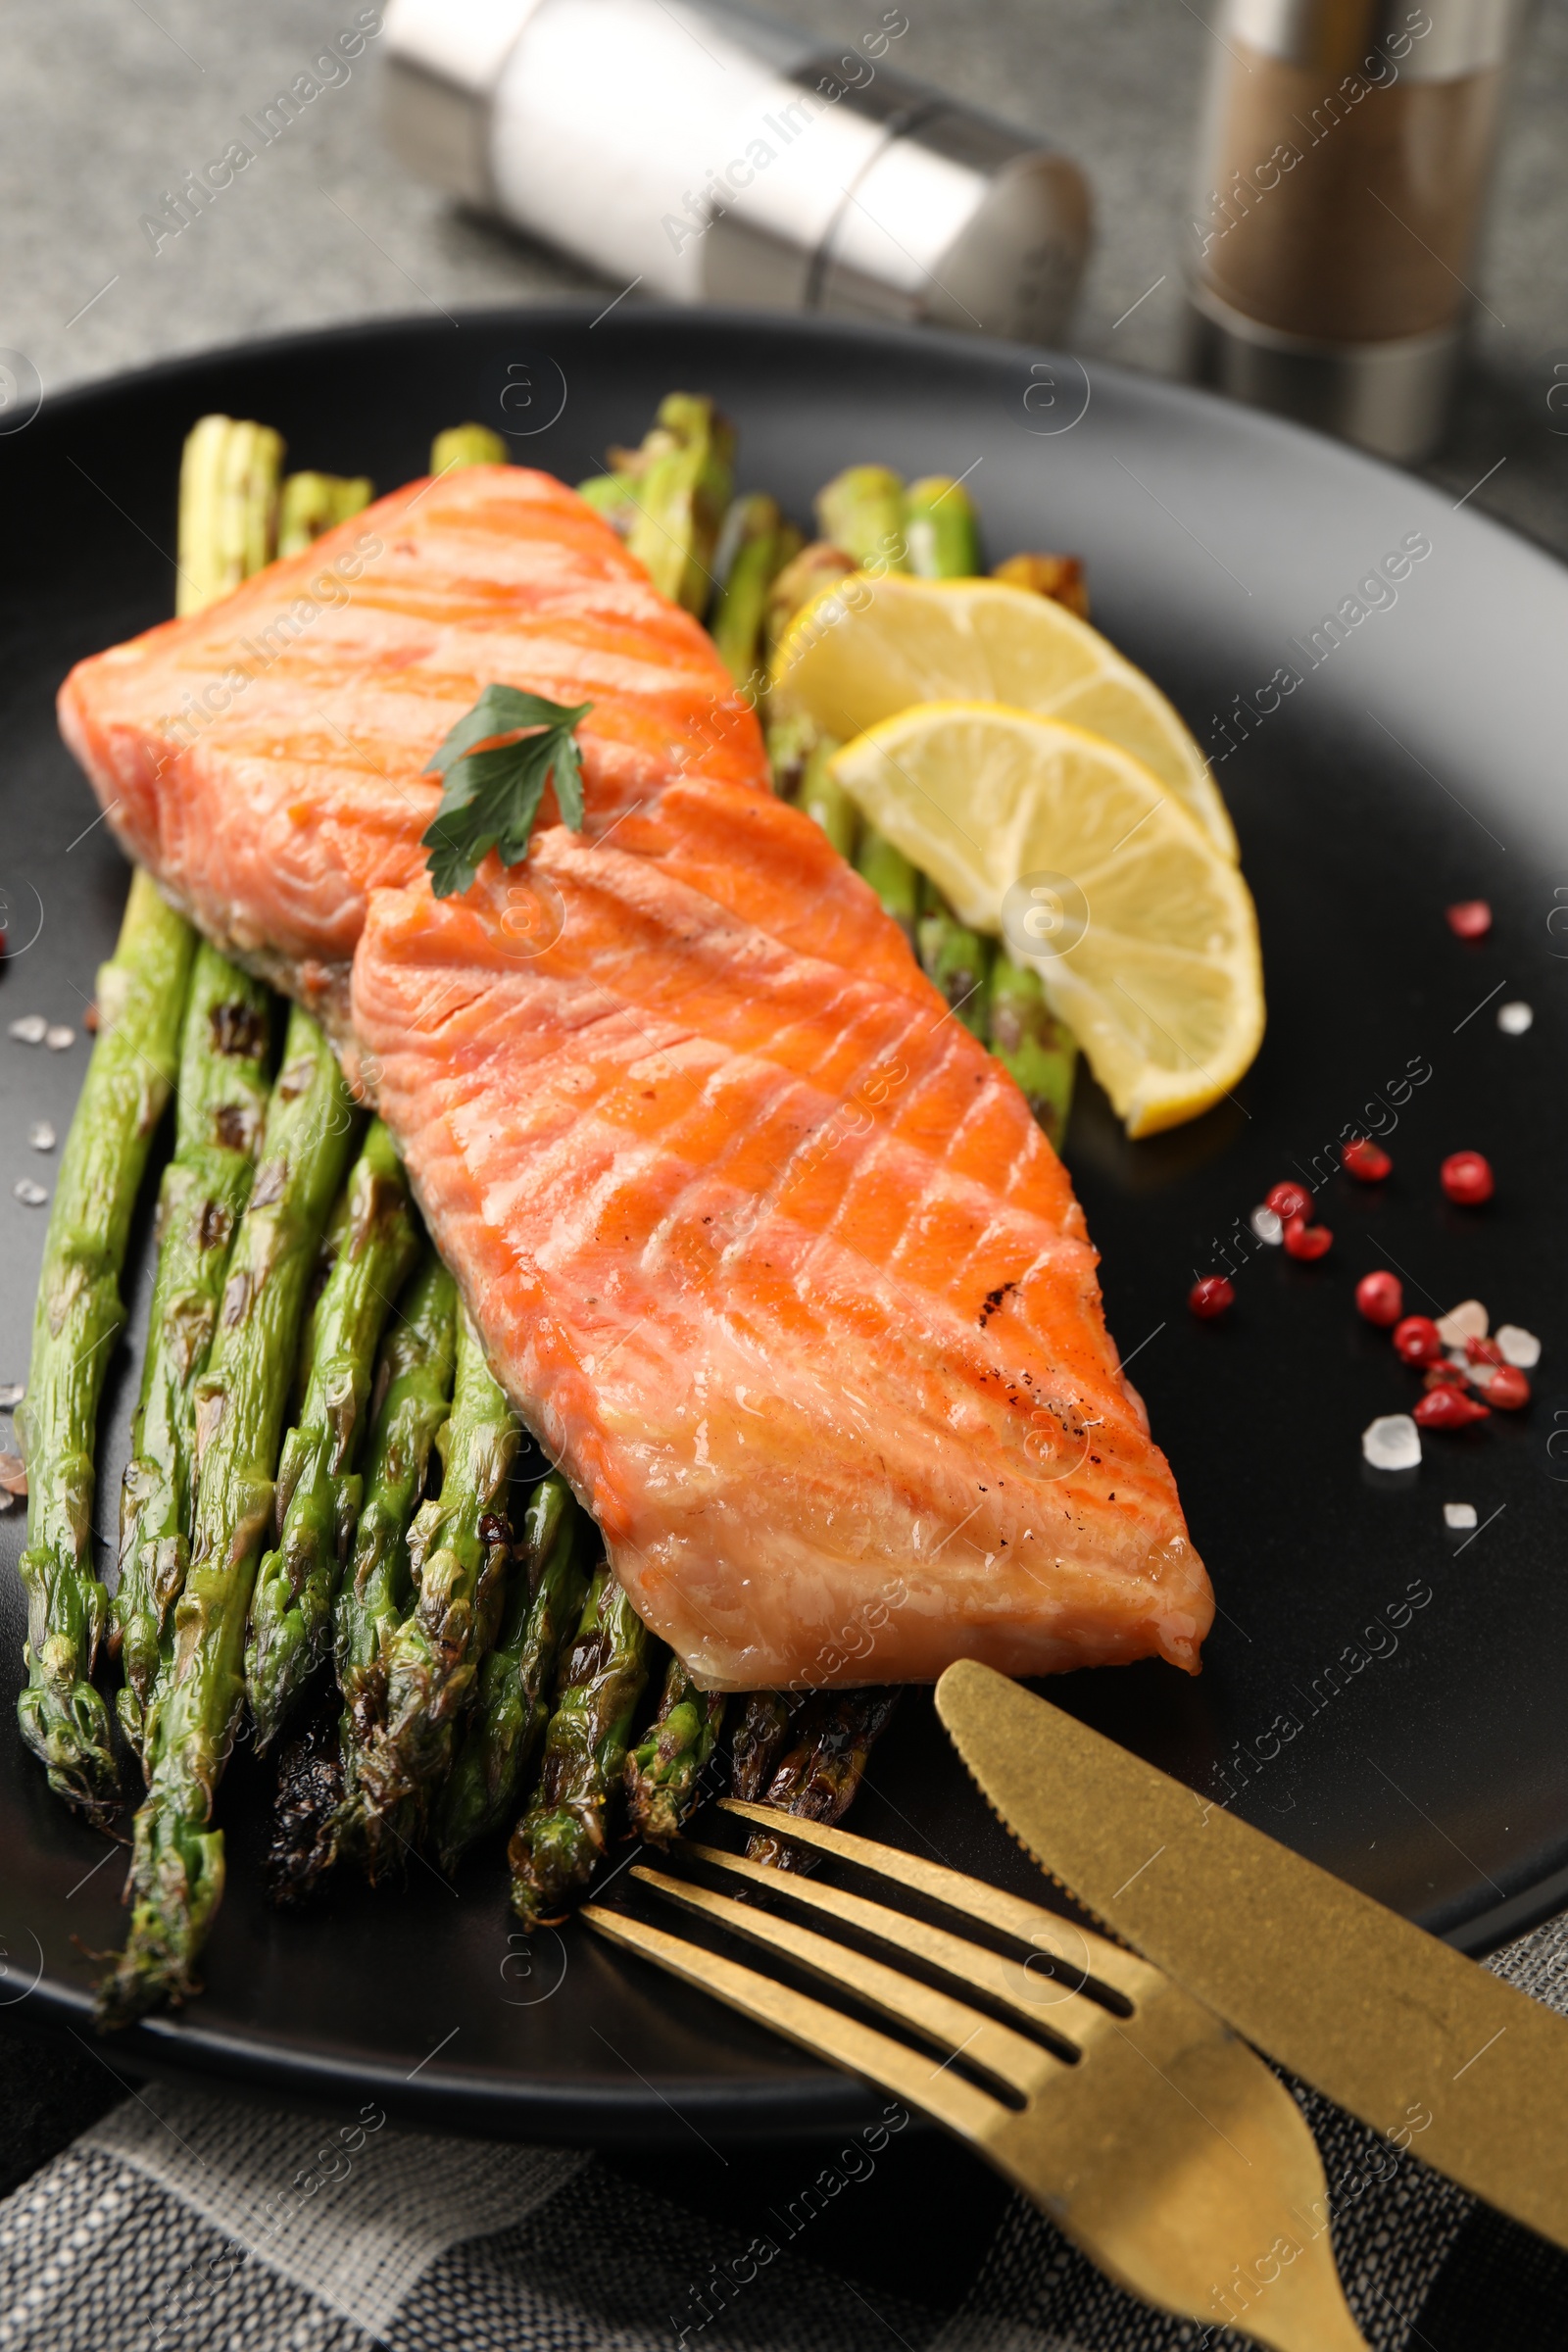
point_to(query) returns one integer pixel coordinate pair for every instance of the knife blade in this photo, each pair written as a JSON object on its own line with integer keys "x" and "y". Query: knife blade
{"x": 1419, "y": 2042}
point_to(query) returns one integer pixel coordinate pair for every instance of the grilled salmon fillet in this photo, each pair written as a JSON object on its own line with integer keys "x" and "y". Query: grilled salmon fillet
{"x": 762, "y": 1245}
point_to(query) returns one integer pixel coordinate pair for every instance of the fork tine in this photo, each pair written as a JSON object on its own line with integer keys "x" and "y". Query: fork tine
{"x": 825, "y": 2033}
{"x": 1051, "y": 2004}
{"x": 948, "y": 2023}
{"x": 1030, "y": 1922}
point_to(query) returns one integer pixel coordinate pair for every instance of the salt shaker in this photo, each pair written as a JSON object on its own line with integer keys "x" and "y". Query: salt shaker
{"x": 1344, "y": 166}
{"x": 703, "y": 153}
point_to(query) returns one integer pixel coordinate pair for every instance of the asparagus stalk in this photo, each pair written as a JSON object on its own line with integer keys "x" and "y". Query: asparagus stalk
{"x": 544, "y": 1601}
{"x": 758, "y": 1743}
{"x": 221, "y": 1103}
{"x": 824, "y": 798}
{"x": 746, "y": 560}
{"x": 1030, "y": 1041}
{"x": 560, "y": 1838}
{"x": 411, "y": 1401}
{"x": 313, "y": 503}
{"x": 824, "y": 1766}
{"x": 413, "y": 1383}
{"x": 459, "y": 1551}
{"x": 228, "y": 493}
{"x": 664, "y": 1769}
{"x": 895, "y": 880}
{"x": 326, "y": 1256}
{"x": 1060, "y": 577}
{"x": 317, "y": 1489}
{"x": 861, "y": 510}
{"x": 958, "y": 961}
{"x": 78, "y": 1317}
{"x": 467, "y": 445}
{"x": 942, "y": 529}
{"x": 683, "y": 476}
{"x": 177, "y": 1868}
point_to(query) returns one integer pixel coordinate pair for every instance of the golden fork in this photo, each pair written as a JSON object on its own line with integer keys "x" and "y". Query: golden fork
{"x": 1144, "y": 2127}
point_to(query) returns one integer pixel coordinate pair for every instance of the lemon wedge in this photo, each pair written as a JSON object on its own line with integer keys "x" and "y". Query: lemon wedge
{"x": 1142, "y": 930}
{"x": 867, "y": 647}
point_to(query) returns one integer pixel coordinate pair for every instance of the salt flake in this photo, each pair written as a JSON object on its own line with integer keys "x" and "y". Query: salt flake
{"x": 30, "y": 1030}
{"x": 1458, "y": 1514}
{"x": 12, "y": 1393}
{"x": 1519, "y": 1346}
{"x": 59, "y": 1037}
{"x": 1267, "y": 1226}
{"x": 1516, "y": 1018}
{"x": 1391, "y": 1441}
{"x": 41, "y": 1136}
{"x": 32, "y": 1195}
{"x": 1466, "y": 1321}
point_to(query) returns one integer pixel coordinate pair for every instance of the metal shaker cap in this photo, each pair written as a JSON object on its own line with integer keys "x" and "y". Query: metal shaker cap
{"x": 708, "y": 154}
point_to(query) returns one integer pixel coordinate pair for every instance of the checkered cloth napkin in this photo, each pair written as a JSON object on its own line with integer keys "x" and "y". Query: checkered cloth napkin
{"x": 183, "y": 2219}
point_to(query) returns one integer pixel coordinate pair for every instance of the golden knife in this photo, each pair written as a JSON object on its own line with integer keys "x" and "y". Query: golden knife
{"x": 1416, "y": 2040}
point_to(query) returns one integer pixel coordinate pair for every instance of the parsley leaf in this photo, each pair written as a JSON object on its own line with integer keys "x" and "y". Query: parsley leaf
{"x": 490, "y": 797}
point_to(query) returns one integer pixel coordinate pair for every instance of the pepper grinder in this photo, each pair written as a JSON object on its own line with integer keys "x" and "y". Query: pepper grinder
{"x": 706, "y": 154}
{"x": 1344, "y": 165}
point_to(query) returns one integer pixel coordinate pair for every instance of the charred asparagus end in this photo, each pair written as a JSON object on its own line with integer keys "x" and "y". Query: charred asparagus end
{"x": 309, "y": 1791}
{"x": 824, "y": 1767}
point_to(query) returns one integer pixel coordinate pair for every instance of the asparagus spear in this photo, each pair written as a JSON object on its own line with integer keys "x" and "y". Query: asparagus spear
{"x": 318, "y": 1491}
{"x": 228, "y": 491}
{"x": 413, "y": 1383}
{"x": 467, "y": 445}
{"x": 1029, "y": 1041}
{"x": 895, "y": 880}
{"x": 78, "y": 1317}
{"x": 313, "y": 503}
{"x": 942, "y": 529}
{"x": 664, "y": 1769}
{"x": 958, "y": 961}
{"x": 758, "y": 1741}
{"x": 219, "y": 1105}
{"x": 746, "y": 560}
{"x": 177, "y": 1870}
{"x": 544, "y": 1601}
{"x": 824, "y": 1766}
{"x": 412, "y": 1399}
{"x": 682, "y": 478}
{"x": 823, "y": 797}
{"x": 560, "y": 1838}
{"x": 861, "y": 510}
{"x": 459, "y": 1551}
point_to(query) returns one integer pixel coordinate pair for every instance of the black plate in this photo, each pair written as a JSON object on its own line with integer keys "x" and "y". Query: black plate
{"x": 1423, "y": 1751}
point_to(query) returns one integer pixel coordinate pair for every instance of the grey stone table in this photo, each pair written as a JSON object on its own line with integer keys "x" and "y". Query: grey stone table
{"x": 106, "y": 103}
